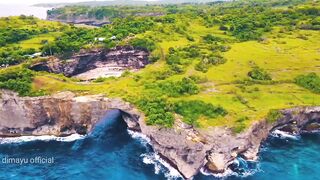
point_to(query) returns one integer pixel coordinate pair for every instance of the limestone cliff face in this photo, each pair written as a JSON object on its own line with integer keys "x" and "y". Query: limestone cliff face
{"x": 61, "y": 114}
{"x": 184, "y": 147}
{"x": 124, "y": 57}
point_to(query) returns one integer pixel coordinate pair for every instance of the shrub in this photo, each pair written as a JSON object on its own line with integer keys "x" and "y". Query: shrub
{"x": 17, "y": 79}
{"x": 190, "y": 38}
{"x": 146, "y": 43}
{"x": 157, "y": 111}
{"x": 240, "y": 126}
{"x": 310, "y": 81}
{"x": 259, "y": 74}
{"x": 210, "y": 39}
{"x": 273, "y": 116}
{"x": 208, "y": 61}
{"x": 174, "y": 89}
{"x": 193, "y": 110}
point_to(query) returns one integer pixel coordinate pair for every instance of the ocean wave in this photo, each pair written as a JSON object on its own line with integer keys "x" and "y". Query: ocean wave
{"x": 226, "y": 173}
{"x": 143, "y": 139}
{"x": 243, "y": 169}
{"x": 284, "y": 135}
{"x": 161, "y": 165}
{"x": 11, "y": 140}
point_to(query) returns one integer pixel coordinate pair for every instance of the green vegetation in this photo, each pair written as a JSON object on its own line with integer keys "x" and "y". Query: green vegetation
{"x": 193, "y": 110}
{"x": 17, "y": 79}
{"x": 179, "y": 88}
{"x": 143, "y": 44}
{"x": 157, "y": 111}
{"x": 259, "y": 74}
{"x": 217, "y": 64}
{"x": 310, "y": 81}
{"x": 274, "y": 115}
{"x": 240, "y": 125}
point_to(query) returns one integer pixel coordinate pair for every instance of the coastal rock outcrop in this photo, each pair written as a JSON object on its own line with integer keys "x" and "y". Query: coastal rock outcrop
{"x": 107, "y": 62}
{"x": 186, "y": 148}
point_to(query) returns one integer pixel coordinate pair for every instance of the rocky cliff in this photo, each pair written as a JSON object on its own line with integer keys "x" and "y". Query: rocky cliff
{"x": 119, "y": 58}
{"x": 184, "y": 147}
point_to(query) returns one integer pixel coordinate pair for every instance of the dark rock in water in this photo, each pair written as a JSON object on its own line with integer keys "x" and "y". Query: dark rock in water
{"x": 312, "y": 127}
{"x": 290, "y": 128}
{"x": 122, "y": 58}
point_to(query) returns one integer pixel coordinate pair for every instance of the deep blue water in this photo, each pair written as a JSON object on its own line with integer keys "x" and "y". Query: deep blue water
{"x": 110, "y": 152}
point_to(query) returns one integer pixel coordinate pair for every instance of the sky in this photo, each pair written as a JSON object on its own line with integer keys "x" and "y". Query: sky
{"x": 36, "y": 1}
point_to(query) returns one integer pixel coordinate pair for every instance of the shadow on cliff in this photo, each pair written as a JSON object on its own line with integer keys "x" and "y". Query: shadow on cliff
{"x": 110, "y": 125}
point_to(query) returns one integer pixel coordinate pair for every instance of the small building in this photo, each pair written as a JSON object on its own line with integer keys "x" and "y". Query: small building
{"x": 100, "y": 39}
{"x": 113, "y": 38}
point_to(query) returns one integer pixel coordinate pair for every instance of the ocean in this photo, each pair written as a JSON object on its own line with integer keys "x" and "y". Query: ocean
{"x": 17, "y": 10}
{"x": 114, "y": 153}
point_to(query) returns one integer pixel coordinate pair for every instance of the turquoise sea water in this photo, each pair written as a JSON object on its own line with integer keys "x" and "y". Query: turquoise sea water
{"x": 112, "y": 153}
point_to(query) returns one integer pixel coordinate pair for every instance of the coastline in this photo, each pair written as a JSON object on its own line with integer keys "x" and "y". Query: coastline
{"x": 186, "y": 149}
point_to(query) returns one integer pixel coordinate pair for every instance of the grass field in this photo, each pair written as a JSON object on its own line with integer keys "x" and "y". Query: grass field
{"x": 36, "y": 42}
{"x": 284, "y": 56}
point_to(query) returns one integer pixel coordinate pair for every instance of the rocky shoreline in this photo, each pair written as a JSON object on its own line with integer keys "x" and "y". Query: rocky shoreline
{"x": 186, "y": 148}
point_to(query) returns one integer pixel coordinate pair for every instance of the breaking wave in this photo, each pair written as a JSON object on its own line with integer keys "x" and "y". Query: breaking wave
{"x": 152, "y": 158}
{"x": 23, "y": 139}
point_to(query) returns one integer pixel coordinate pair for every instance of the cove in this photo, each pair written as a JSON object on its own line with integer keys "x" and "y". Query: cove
{"x": 110, "y": 152}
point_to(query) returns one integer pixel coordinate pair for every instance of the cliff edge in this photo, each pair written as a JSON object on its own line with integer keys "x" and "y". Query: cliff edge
{"x": 186, "y": 148}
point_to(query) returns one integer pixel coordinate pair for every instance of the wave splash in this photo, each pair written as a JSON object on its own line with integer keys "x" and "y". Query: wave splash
{"x": 153, "y": 158}
{"x": 239, "y": 168}
{"x": 23, "y": 139}
{"x": 284, "y": 135}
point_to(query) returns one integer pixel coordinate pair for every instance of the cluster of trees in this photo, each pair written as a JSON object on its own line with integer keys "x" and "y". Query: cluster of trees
{"x": 157, "y": 111}
{"x": 182, "y": 56}
{"x": 14, "y": 55}
{"x": 258, "y": 73}
{"x": 70, "y": 41}
{"x": 17, "y": 79}
{"x": 193, "y": 110}
{"x": 13, "y": 35}
{"x": 249, "y": 21}
{"x": 310, "y": 81}
{"x": 161, "y": 112}
{"x": 186, "y": 86}
{"x": 102, "y": 12}
{"x": 209, "y": 61}
{"x": 209, "y": 38}
{"x": 123, "y": 27}
{"x": 146, "y": 44}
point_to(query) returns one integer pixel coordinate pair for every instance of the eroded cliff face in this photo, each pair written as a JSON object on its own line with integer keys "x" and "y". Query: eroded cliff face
{"x": 184, "y": 147}
{"x": 114, "y": 60}
{"x": 61, "y": 114}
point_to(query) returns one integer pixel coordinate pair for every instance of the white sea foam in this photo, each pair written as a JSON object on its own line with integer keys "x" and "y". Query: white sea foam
{"x": 284, "y": 135}
{"x": 227, "y": 173}
{"x": 247, "y": 172}
{"x": 21, "y": 139}
{"x": 161, "y": 165}
{"x": 143, "y": 139}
